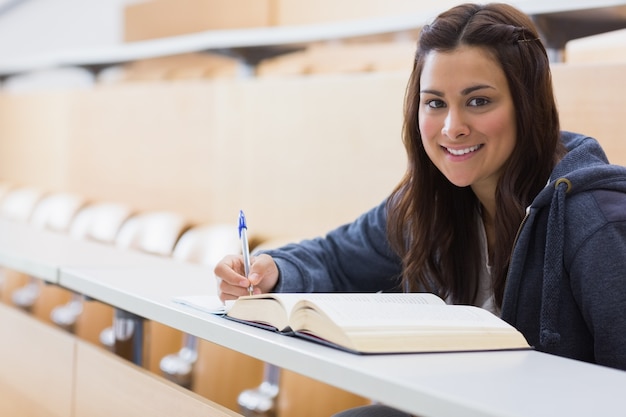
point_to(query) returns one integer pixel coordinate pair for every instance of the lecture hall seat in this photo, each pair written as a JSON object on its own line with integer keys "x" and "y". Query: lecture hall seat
{"x": 182, "y": 67}
{"x": 340, "y": 58}
{"x": 18, "y": 203}
{"x": 5, "y": 187}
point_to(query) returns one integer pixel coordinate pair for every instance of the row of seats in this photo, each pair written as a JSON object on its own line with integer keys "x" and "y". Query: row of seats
{"x": 316, "y": 59}
{"x": 234, "y": 380}
{"x": 359, "y": 56}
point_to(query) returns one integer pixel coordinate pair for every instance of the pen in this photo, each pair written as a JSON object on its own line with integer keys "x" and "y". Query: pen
{"x": 245, "y": 249}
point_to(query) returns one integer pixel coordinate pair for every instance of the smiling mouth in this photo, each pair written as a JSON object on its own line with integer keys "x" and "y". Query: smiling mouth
{"x": 464, "y": 151}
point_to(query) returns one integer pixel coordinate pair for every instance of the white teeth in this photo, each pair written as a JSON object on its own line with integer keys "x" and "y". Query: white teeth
{"x": 459, "y": 152}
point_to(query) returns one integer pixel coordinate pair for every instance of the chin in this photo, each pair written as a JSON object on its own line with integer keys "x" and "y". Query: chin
{"x": 460, "y": 183}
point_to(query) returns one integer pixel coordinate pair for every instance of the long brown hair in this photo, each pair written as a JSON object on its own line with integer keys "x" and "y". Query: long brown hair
{"x": 432, "y": 223}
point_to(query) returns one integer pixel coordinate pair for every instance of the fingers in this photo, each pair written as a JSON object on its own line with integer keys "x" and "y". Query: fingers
{"x": 232, "y": 282}
{"x": 231, "y": 292}
{"x": 230, "y": 278}
{"x": 263, "y": 273}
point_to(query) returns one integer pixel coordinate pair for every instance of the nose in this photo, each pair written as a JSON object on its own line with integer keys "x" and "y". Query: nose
{"x": 454, "y": 125}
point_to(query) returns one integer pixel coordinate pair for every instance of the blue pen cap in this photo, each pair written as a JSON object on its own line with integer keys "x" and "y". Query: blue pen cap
{"x": 242, "y": 222}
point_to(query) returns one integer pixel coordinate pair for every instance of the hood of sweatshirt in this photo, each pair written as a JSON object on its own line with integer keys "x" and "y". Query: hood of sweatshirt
{"x": 585, "y": 167}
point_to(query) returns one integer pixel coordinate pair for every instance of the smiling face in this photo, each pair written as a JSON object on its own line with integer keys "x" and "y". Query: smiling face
{"x": 467, "y": 117}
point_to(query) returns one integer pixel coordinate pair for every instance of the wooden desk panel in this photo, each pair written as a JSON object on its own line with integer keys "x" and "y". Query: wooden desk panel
{"x": 15, "y": 403}
{"x": 36, "y": 364}
{"x": 107, "y": 385}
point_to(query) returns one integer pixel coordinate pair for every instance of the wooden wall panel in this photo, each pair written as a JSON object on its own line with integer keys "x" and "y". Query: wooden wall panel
{"x": 320, "y": 151}
{"x": 297, "y": 12}
{"x": 221, "y": 374}
{"x": 36, "y": 366}
{"x": 147, "y": 145}
{"x": 609, "y": 47}
{"x": 299, "y": 156}
{"x": 34, "y": 139}
{"x": 14, "y": 403}
{"x": 592, "y": 100}
{"x": 301, "y": 396}
{"x": 107, "y": 385}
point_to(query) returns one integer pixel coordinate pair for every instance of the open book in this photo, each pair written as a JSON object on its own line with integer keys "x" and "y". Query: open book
{"x": 372, "y": 323}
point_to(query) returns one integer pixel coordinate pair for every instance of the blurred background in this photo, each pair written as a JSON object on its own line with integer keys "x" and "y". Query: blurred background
{"x": 148, "y": 125}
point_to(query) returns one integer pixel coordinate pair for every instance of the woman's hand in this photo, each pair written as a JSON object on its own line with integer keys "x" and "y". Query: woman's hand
{"x": 232, "y": 282}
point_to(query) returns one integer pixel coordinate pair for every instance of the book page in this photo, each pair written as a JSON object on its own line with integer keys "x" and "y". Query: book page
{"x": 258, "y": 308}
{"x": 213, "y": 305}
{"x": 290, "y": 300}
{"x": 371, "y": 298}
{"x": 402, "y": 313}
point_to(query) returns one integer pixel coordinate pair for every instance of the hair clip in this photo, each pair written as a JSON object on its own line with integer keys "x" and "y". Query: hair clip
{"x": 520, "y": 34}
{"x": 527, "y": 40}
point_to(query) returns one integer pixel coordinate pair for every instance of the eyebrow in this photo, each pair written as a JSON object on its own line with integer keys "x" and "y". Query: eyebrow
{"x": 465, "y": 91}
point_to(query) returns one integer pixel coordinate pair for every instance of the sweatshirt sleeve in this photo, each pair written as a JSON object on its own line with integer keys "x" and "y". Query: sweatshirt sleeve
{"x": 355, "y": 257}
{"x": 599, "y": 285}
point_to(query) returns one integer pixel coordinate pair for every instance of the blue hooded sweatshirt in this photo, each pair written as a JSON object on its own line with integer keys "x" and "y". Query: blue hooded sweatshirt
{"x": 566, "y": 284}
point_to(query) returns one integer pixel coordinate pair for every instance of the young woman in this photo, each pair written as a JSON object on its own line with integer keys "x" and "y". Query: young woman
{"x": 498, "y": 207}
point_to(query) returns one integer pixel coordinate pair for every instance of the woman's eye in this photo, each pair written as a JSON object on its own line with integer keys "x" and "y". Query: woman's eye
{"x": 477, "y": 102}
{"x": 435, "y": 104}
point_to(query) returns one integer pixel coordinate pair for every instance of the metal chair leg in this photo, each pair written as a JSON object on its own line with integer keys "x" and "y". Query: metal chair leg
{"x": 261, "y": 401}
{"x": 65, "y": 315}
{"x": 178, "y": 367}
{"x": 128, "y": 336}
{"x": 26, "y": 296}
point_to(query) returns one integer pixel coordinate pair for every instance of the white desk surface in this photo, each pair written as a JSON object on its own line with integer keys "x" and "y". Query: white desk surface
{"x": 520, "y": 383}
{"x": 41, "y": 253}
{"x": 265, "y": 37}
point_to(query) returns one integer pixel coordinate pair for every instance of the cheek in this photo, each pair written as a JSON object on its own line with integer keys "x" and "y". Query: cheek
{"x": 503, "y": 126}
{"x": 499, "y": 124}
{"x": 429, "y": 127}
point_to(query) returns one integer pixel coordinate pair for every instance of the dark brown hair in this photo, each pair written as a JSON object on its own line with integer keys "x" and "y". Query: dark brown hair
{"x": 432, "y": 223}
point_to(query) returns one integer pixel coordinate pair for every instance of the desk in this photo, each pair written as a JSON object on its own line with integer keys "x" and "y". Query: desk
{"x": 41, "y": 253}
{"x": 521, "y": 383}
{"x": 487, "y": 384}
